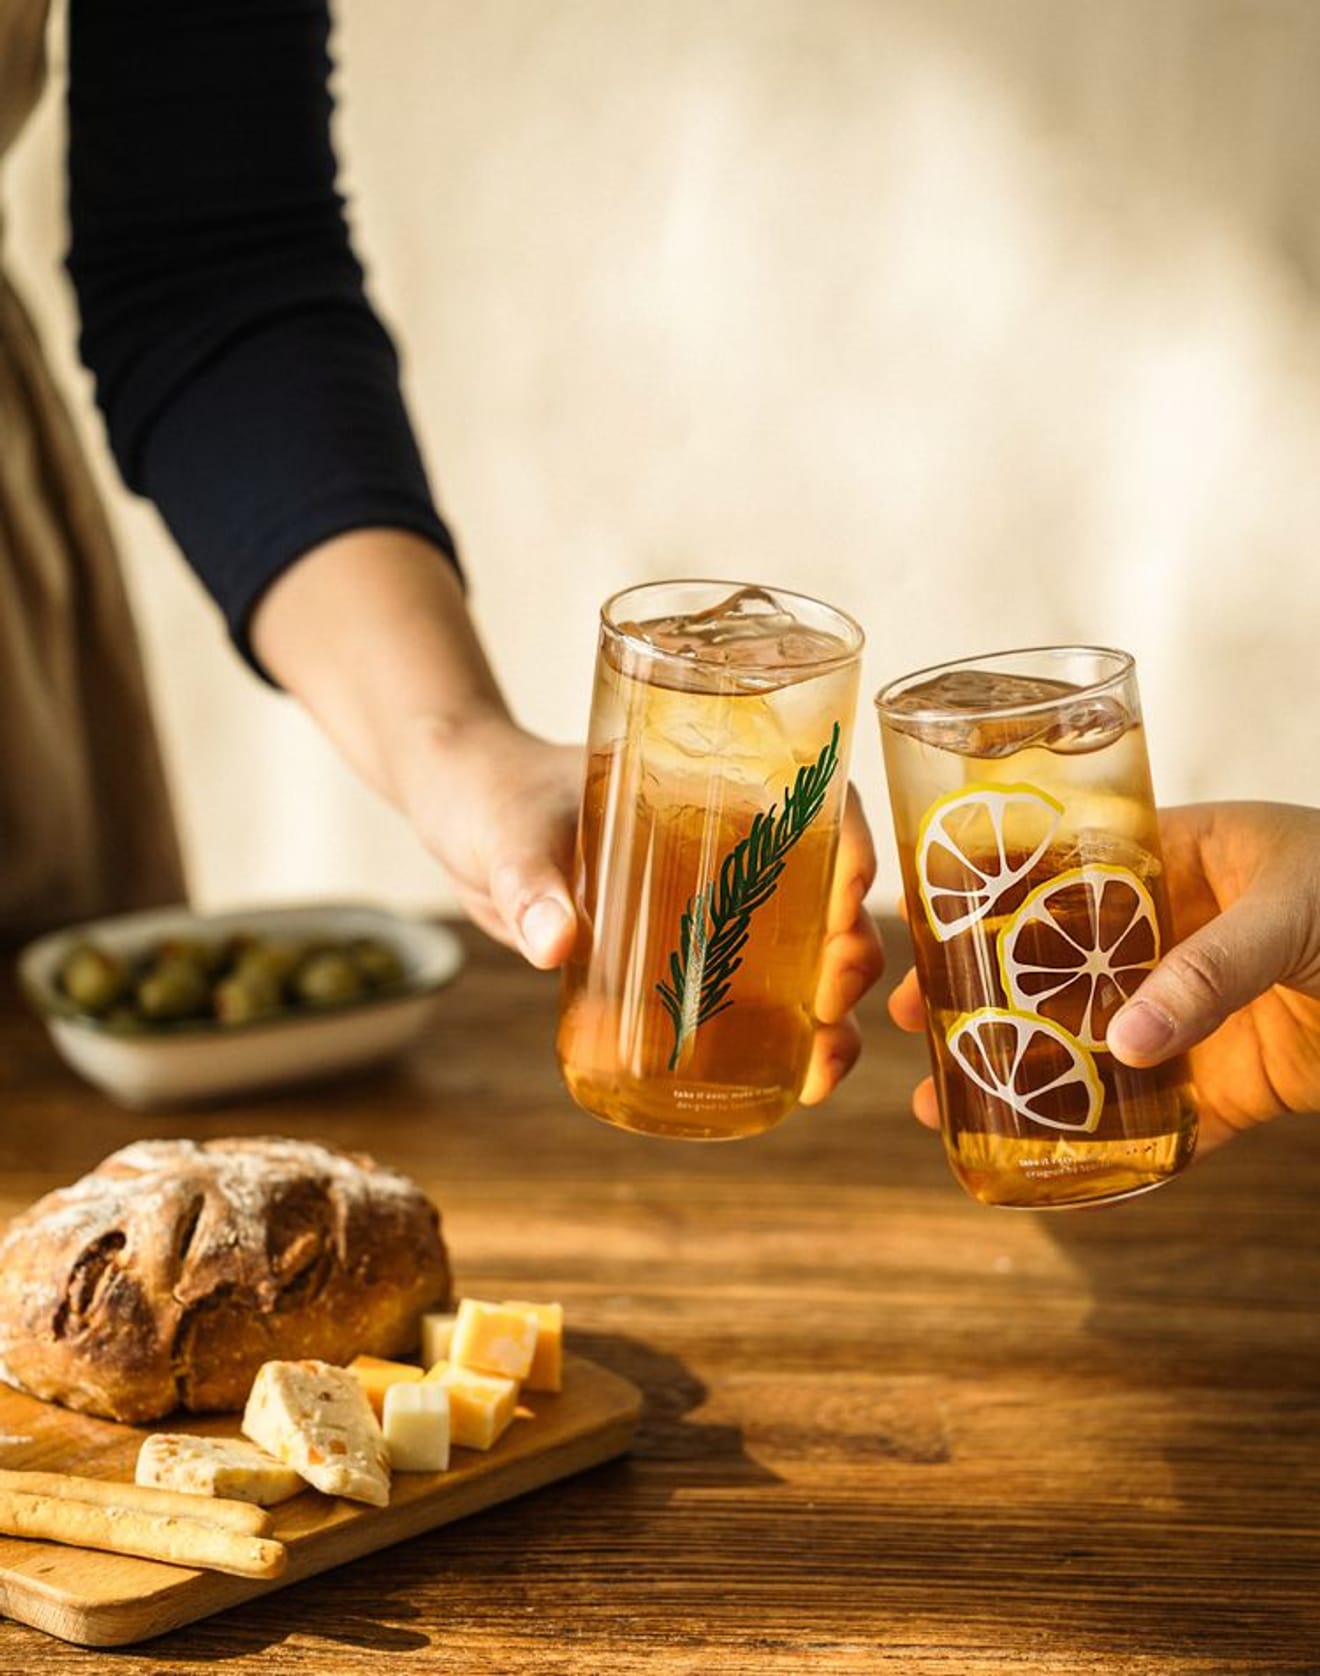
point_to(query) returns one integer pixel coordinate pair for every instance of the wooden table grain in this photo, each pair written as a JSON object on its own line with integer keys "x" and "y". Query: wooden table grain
{"x": 885, "y": 1429}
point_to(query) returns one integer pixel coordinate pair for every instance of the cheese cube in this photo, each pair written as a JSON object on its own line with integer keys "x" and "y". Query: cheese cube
{"x": 437, "y": 1331}
{"x": 481, "y": 1405}
{"x": 417, "y": 1427}
{"x": 547, "y": 1370}
{"x": 317, "y": 1420}
{"x": 492, "y": 1338}
{"x": 376, "y": 1376}
{"x": 215, "y": 1466}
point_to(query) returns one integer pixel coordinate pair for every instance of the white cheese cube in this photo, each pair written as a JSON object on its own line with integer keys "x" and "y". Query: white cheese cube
{"x": 437, "y": 1331}
{"x": 317, "y": 1420}
{"x": 417, "y": 1427}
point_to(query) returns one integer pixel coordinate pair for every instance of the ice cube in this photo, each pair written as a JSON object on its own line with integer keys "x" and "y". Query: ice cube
{"x": 750, "y": 631}
{"x": 1088, "y": 725}
{"x": 1099, "y": 846}
{"x": 987, "y": 713}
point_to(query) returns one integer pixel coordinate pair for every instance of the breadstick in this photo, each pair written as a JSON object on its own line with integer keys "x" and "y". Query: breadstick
{"x": 239, "y": 1516}
{"x": 150, "y": 1536}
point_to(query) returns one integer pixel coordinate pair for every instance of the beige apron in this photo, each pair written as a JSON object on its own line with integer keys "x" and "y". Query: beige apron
{"x": 85, "y": 823}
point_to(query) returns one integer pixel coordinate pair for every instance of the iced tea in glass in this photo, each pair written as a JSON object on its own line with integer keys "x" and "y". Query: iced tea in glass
{"x": 1035, "y": 894}
{"x": 721, "y": 722}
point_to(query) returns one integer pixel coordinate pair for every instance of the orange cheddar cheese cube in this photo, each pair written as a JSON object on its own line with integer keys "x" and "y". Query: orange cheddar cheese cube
{"x": 375, "y": 1375}
{"x": 547, "y": 1370}
{"x": 481, "y": 1405}
{"x": 494, "y": 1338}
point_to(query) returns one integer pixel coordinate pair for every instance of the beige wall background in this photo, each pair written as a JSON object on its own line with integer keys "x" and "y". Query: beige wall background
{"x": 995, "y": 322}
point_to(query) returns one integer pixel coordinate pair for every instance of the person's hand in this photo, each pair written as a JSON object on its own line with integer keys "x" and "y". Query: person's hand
{"x": 1240, "y": 991}
{"x": 372, "y": 633}
{"x": 498, "y": 808}
{"x": 854, "y": 957}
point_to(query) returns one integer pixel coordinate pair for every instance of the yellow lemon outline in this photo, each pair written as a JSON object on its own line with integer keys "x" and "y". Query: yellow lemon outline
{"x": 1083, "y": 1060}
{"x": 979, "y": 791}
{"x": 1084, "y": 874}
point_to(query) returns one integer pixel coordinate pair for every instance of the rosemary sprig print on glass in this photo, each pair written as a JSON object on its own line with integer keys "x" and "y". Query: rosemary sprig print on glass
{"x": 717, "y": 769}
{"x": 717, "y": 921}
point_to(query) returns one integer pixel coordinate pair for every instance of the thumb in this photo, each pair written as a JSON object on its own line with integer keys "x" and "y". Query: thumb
{"x": 530, "y": 894}
{"x": 1222, "y": 966}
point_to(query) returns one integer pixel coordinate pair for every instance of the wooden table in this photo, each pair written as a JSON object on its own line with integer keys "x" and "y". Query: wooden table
{"x": 885, "y": 1430}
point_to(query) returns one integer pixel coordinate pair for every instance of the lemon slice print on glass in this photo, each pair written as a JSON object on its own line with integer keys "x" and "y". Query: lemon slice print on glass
{"x": 1078, "y": 947}
{"x": 974, "y": 845}
{"x": 1039, "y": 1071}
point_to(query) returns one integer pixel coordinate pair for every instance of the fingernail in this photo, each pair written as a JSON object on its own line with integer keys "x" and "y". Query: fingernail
{"x": 1141, "y": 1029}
{"x": 543, "y": 924}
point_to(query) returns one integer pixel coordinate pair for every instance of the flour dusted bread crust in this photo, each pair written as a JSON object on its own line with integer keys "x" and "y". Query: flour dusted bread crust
{"x": 166, "y": 1277}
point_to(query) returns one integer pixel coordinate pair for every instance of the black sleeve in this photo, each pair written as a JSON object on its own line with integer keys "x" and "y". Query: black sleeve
{"x": 247, "y": 386}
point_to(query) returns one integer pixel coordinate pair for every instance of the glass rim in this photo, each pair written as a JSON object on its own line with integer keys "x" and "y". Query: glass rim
{"x": 853, "y": 631}
{"x": 1124, "y": 662}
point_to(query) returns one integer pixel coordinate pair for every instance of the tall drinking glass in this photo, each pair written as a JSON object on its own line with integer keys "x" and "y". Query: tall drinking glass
{"x": 718, "y": 762}
{"x": 1031, "y": 862}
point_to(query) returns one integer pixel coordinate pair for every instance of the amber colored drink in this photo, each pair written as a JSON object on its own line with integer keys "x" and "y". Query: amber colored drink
{"x": 717, "y": 768}
{"x": 1031, "y": 862}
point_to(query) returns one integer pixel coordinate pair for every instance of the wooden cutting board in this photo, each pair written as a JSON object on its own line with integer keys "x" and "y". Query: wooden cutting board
{"x": 106, "y": 1600}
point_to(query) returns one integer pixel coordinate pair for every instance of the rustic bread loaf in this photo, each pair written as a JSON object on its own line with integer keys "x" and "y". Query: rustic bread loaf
{"x": 170, "y": 1273}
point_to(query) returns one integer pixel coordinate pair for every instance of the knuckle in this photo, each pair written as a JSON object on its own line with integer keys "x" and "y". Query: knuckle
{"x": 1201, "y": 972}
{"x": 871, "y": 960}
{"x": 510, "y": 886}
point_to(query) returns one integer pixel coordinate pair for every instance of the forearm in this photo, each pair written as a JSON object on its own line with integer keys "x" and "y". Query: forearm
{"x": 370, "y": 631}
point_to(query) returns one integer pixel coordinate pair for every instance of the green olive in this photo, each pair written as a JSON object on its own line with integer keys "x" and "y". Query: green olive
{"x": 377, "y": 962}
{"x": 92, "y": 979}
{"x": 174, "y": 988}
{"x": 209, "y": 955}
{"x": 246, "y": 995}
{"x": 326, "y": 978}
{"x": 270, "y": 961}
{"x": 234, "y": 979}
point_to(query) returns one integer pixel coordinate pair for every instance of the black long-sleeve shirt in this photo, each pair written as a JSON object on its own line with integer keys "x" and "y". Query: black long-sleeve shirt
{"x": 247, "y": 386}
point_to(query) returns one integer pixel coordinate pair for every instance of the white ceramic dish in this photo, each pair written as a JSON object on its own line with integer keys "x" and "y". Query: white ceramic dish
{"x": 187, "y": 1063}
